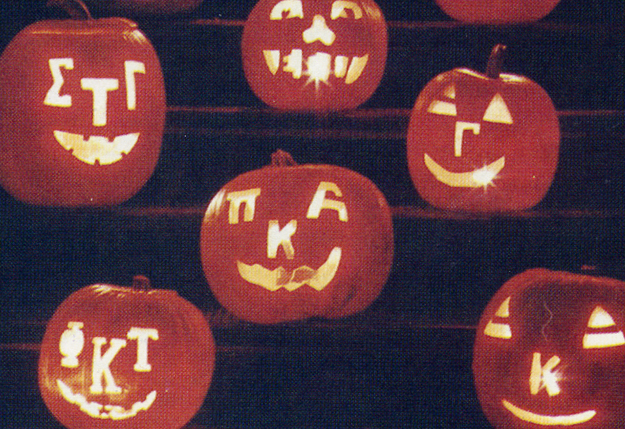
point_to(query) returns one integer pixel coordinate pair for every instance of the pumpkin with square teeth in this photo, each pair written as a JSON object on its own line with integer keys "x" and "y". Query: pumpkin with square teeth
{"x": 483, "y": 142}
{"x": 289, "y": 242}
{"x": 550, "y": 351}
{"x": 82, "y": 110}
{"x": 314, "y": 55}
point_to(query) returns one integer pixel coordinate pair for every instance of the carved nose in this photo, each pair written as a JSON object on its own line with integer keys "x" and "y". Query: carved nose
{"x": 319, "y": 31}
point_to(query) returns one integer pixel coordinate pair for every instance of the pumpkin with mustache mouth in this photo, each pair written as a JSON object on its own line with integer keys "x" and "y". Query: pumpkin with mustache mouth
{"x": 315, "y": 55}
{"x": 289, "y": 242}
{"x": 483, "y": 142}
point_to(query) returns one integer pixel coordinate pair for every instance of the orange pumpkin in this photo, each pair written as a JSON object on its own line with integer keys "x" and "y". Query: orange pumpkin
{"x": 483, "y": 142}
{"x": 497, "y": 11}
{"x": 289, "y": 242}
{"x": 125, "y": 357}
{"x": 314, "y": 55}
{"x": 550, "y": 351}
{"x": 82, "y": 111}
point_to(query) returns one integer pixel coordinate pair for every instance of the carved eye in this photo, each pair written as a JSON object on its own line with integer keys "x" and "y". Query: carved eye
{"x": 340, "y": 8}
{"x": 602, "y": 331}
{"x": 293, "y": 9}
{"x": 498, "y": 329}
{"x": 447, "y": 108}
{"x": 497, "y": 111}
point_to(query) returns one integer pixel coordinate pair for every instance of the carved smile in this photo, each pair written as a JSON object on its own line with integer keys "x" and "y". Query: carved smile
{"x": 542, "y": 420}
{"x": 95, "y": 410}
{"x": 273, "y": 280}
{"x": 480, "y": 178}
{"x": 318, "y": 66}
{"x": 97, "y": 148}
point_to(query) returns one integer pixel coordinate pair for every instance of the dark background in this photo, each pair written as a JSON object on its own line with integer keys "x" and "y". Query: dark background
{"x": 403, "y": 363}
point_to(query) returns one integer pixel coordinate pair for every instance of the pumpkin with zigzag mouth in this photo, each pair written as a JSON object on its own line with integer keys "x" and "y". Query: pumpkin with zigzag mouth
{"x": 289, "y": 242}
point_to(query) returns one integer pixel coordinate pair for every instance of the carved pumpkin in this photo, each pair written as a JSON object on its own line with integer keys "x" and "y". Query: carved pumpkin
{"x": 497, "y": 11}
{"x": 125, "y": 357}
{"x": 483, "y": 142}
{"x": 82, "y": 110}
{"x": 550, "y": 351}
{"x": 315, "y": 55}
{"x": 290, "y": 242}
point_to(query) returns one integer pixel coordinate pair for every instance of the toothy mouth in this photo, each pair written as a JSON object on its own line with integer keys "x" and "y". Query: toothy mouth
{"x": 542, "y": 420}
{"x": 95, "y": 410}
{"x": 318, "y": 66}
{"x": 274, "y": 280}
{"x": 480, "y": 178}
{"x": 97, "y": 148}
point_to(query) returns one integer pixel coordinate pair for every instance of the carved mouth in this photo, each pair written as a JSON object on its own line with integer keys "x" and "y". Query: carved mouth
{"x": 480, "y": 178}
{"x": 97, "y": 148}
{"x": 318, "y": 66}
{"x": 99, "y": 411}
{"x": 542, "y": 420}
{"x": 274, "y": 280}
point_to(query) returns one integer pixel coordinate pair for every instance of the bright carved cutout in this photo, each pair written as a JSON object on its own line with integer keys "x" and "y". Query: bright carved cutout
{"x": 71, "y": 346}
{"x": 498, "y": 329}
{"x": 281, "y": 238}
{"x": 596, "y": 339}
{"x": 318, "y": 67}
{"x": 96, "y": 149}
{"x": 496, "y": 112}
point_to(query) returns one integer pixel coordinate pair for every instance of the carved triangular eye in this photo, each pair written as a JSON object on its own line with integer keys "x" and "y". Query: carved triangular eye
{"x": 500, "y": 330}
{"x": 497, "y": 111}
{"x": 450, "y": 92}
{"x": 442, "y": 108}
{"x": 598, "y": 337}
{"x": 294, "y": 9}
{"x": 446, "y": 108}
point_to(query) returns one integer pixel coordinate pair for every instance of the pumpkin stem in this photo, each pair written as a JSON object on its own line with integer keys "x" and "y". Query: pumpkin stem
{"x": 141, "y": 283}
{"x": 495, "y": 61}
{"x": 281, "y": 158}
{"x": 76, "y": 9}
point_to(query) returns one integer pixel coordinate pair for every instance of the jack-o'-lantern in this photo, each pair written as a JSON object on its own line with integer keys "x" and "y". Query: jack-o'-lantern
{"x": 82, "y": 110}
{"x": 314, "y": 55}
{"x": 550, "y": 351}
{"x": 125, "y": 357}
{"x": 483, "y": 142}
{"x": 289, "y": 242}
{"x": 497, "y": 11}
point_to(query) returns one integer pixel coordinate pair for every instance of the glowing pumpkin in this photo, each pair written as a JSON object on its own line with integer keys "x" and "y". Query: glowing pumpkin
{"x": 289, "y": 242}
{"x": 483, "y": 142}
{"x": 497, "y": 11}
{"x": 82, "y": 110}
{"x": 125, "y": 357}
{"x": 550, "y": 351}
{"x": 315, "y": 55}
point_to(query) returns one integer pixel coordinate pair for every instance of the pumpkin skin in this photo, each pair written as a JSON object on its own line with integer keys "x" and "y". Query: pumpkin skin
{"x": 497, "y": 11}
{"x": 314, "y": 55}
{"x": 290, "y": 242}
{"x": 82, "y": 110}
{"x": 482, "y": 144}
{"x": 550, "y": 350}
{"x": 163, "y": 369}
